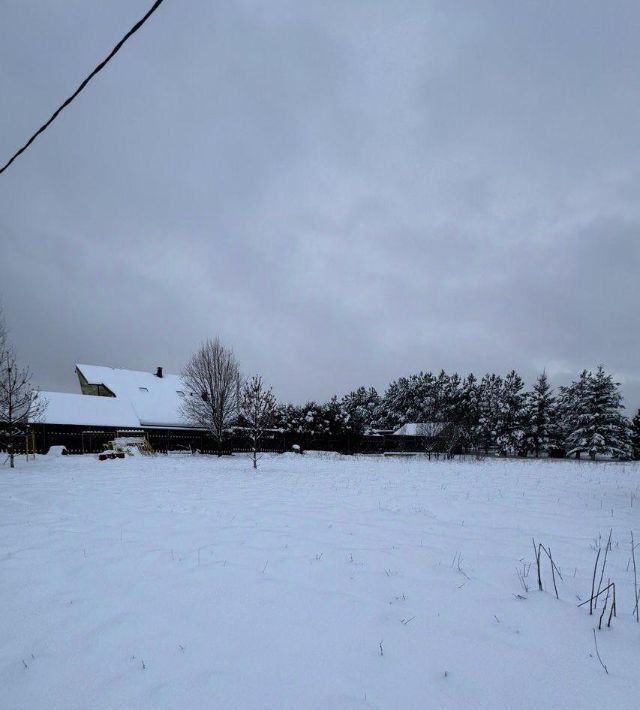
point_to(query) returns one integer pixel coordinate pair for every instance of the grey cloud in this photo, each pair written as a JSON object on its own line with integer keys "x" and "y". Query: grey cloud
{"x": 345, "y": 192}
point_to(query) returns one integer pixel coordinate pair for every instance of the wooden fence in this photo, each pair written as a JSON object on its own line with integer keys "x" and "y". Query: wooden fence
{"x": 92, "y": 440}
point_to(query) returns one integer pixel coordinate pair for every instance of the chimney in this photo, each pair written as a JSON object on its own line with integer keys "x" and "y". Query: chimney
{"x": 159, "y": 372}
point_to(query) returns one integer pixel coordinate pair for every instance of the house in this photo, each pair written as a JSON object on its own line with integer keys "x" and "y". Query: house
{"x": 116, "y": 401}
{"x": 432, "y": 437}
{"x": 423, "y": 429}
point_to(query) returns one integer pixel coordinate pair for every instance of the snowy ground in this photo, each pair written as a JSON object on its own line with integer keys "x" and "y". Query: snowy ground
{"x": 318, "y": 582}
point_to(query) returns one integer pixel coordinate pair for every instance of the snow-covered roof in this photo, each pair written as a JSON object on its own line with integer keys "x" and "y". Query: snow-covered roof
{"x": 78, "y": 409}
{"x": 155, "y": 400}
{"x": 420, "y": 429}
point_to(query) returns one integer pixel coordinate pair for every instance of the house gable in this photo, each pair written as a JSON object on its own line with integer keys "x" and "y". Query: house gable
{"x": 155, "y": 397}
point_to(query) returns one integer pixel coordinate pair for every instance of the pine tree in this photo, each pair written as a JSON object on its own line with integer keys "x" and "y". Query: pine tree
{"x": 311, "y": 419}
{"x": 465, "y": 413}
{"x": 334, "y": 418}
{"x": 394, "y": 405}
{"x": 444, "y": 396}
{"x": 286, "y": 417}
{"x": 360, "y": 409}
{"x": 489, "y": 396}
{"x": 540, "y": 417}
{"x": 420, "y": 398}
{"x": 635, "y": 436}
{"x": 597, "y": 424}
{"x": 452, "y": 395}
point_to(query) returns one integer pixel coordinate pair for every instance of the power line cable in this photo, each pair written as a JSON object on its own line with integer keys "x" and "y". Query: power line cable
{"x": 99, "y": 68}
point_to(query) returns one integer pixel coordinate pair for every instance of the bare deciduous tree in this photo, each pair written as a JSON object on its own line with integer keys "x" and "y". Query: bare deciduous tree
{"x": 20, "y": 401}
{"x": 212, "y": 380}
{"x": 3, "y": 333}
{"x": 257, "y": 410}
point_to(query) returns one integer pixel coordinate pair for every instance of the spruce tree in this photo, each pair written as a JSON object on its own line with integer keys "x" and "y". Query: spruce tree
{"x": 568, "y": 407}
{"x": 635, "y": 435}
{"x": 597, "y": 424}
{"x": 511, "y": 409}
{"x": 540, "y": 417}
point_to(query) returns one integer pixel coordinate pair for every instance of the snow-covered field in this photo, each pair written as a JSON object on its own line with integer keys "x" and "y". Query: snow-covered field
{"x": 318, "y": 582}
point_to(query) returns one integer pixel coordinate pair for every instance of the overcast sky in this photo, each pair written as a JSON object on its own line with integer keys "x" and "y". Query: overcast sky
{"x": 344, "y": 192}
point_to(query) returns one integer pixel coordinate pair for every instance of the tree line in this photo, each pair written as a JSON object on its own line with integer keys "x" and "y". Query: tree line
{"x": 493, "y": 413}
